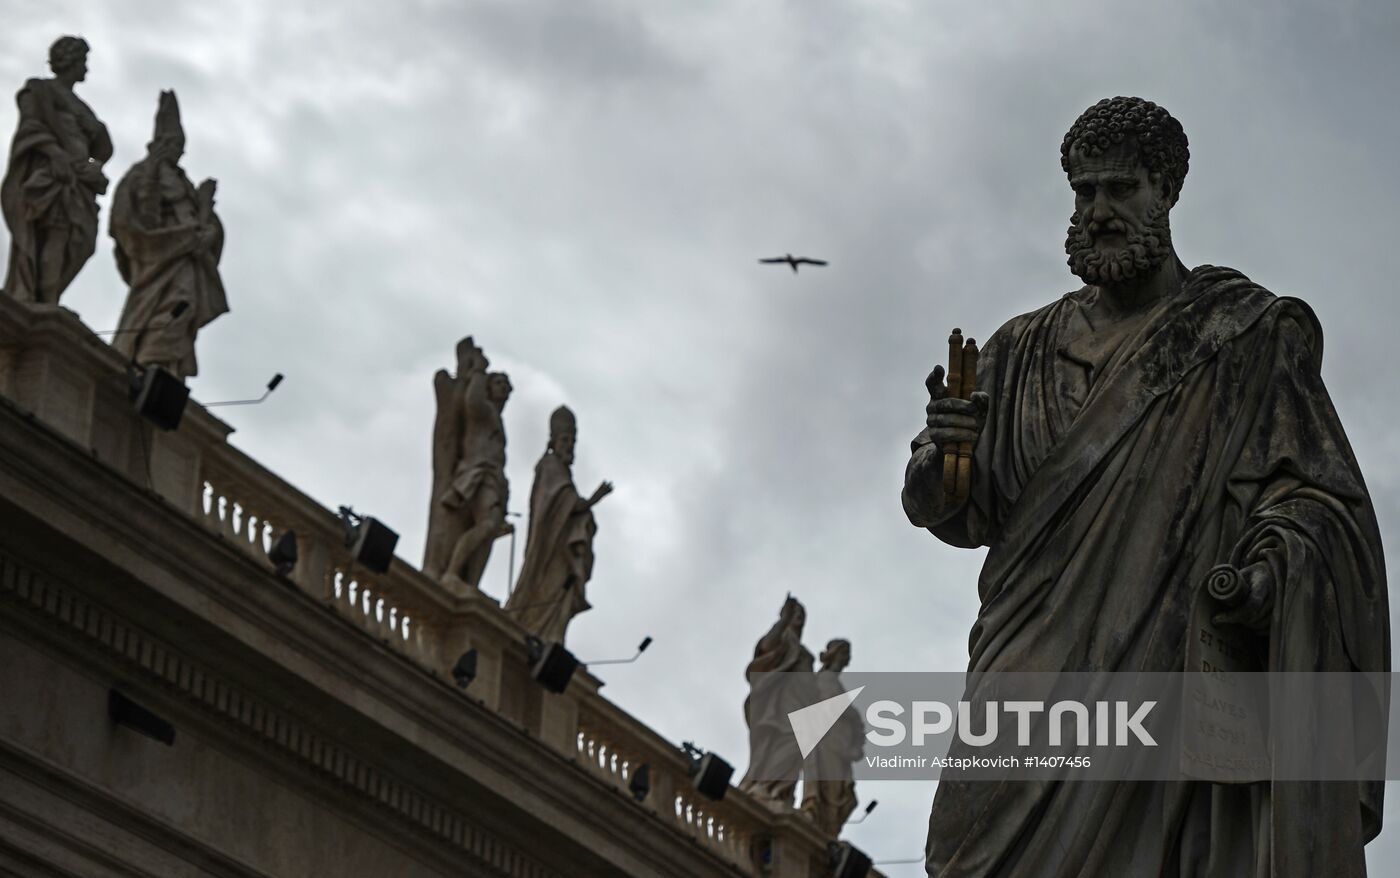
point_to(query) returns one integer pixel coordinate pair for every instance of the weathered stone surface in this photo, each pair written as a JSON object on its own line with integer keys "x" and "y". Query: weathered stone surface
{"x": 49, "y": 195}
{"x": 559, "y": 547}
{"x": 829, "y": 800}
{"x": 470, "y": 492}
{"x": 1130, "y": 436}
{"x": 317, "y": 728}
{"x": 775, "y": 762}
{"x": 168, "y": 243}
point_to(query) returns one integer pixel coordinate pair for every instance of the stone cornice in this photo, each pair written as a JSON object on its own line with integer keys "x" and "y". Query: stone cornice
{"x": 233, "y": 706}
{"x": 166, "y": 532}
{"x": 61, "y": 784}
{"x": 293, "y": 634}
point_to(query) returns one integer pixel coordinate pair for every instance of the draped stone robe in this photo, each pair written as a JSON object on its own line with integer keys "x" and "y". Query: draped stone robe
{"x": 780, "y": 681}
{"x": 461, "y": 469}
{"x": 156, "y": 225}
{"x": 558, "y": 561}
{"x": 36, "y": 205}
{"x": 828, "y": 784}
{"x": 1106, "y": 490}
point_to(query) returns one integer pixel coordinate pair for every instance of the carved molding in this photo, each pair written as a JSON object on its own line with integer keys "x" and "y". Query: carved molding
{"x": 235, "y": 707}
{"x": 204, "y": 552}
{"x": 95, "y": 858}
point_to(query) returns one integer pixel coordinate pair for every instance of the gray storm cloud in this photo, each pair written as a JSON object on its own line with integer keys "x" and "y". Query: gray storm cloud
{"x": 584, "y": 187}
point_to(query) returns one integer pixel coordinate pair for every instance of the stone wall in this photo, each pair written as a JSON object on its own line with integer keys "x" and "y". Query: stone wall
{"x": 317, "y": 728}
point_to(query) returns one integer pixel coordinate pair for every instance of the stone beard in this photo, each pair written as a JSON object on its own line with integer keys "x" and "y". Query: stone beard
{"x": 1145, "y": 252}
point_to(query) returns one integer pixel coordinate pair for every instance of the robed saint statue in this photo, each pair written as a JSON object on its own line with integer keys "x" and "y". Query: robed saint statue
{"x": 168, "y": 244}
{"x": 780, "y": 681}
{"x": 467, "y": 512}
{"x": 49, "y": 193}
{"x": 1126, "y": 439}
{"x": 558, "y": 563}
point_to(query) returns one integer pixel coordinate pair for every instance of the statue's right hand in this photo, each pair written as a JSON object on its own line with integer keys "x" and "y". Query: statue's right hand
{"x": 205, "y": 191}
{"x": 952, "y": 420}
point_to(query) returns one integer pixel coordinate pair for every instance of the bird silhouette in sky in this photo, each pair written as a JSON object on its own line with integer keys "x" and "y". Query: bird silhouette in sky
{"x": 793, "y": 261}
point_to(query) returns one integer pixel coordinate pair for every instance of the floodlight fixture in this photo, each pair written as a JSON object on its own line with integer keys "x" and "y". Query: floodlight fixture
{"x": 847, "y": 861}
{"x": 157, "y": 396}
{"x": 709, "y": 774}
{"x": 551, "y": 665}
{"x": 371, "y": 542}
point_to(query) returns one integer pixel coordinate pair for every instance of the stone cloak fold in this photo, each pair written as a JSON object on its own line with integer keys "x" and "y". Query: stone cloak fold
{"x": 445, "y": 524}
{"x": 780, "y": 681}
{"x": 558, "y": 554}
{"x": 164, "y": 265}
{"x": 32, "y": 197}
{"x": 1106, "y": 491}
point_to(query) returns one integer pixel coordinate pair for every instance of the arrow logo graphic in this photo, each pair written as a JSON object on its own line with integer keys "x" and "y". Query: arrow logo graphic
{"x": 810, "y": 724}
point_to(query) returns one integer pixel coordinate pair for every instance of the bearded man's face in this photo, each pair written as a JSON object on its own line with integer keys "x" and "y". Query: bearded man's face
{"x": 1120, "y": 231}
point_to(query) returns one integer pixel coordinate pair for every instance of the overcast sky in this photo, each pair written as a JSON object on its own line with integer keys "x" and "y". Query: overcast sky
{"x": 584, "y": 187}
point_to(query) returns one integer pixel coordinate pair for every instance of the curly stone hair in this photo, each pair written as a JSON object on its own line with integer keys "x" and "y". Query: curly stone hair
{"x": 65, "y": 52}
{"x": 1160, "y": 139}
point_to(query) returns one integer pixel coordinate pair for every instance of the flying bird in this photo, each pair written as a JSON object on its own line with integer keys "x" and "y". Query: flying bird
{"x": 794, "y": 261}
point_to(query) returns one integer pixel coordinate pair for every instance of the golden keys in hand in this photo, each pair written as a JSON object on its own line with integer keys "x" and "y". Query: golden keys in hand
{"x": 962, "y": 382}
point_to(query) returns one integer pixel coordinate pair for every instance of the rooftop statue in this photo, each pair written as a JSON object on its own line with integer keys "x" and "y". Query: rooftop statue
{"x": 558, "y": 558}
{"x": 829, "y": 791}
{"x": 470, "y": 491}
{"x": 1126, "y": 438}
{"x": 168, "y": 243}
{"x": 780, "y": 681}
{"x": 49, "y": 195}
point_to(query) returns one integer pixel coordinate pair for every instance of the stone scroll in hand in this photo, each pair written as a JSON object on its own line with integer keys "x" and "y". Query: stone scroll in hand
{"x": 962, "y": 382}
{"x": 1225, "y": 707}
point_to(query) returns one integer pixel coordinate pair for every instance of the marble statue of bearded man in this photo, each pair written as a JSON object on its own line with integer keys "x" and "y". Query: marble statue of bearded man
{"x": 1131, "y": 435}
